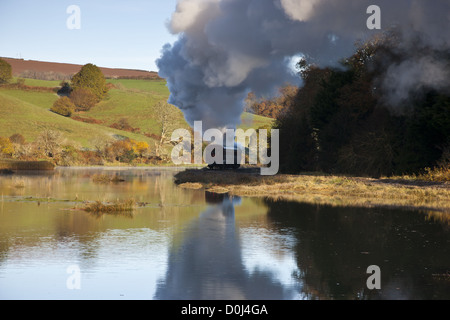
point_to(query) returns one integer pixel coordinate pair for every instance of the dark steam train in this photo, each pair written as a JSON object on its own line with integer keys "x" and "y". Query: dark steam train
{"x": 222, "y": 165}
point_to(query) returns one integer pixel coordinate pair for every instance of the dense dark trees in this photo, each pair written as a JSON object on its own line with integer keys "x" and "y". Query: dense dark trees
{"x": 343, "y": 123}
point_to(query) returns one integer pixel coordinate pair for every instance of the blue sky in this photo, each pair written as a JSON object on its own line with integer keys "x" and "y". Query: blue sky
{"x": 116, "y": 34}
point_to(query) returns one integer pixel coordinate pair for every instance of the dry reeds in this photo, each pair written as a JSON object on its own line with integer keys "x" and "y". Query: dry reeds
{"x": 104, "y": 178}
{"x": 26, "y": 165}
{"x": 323, "y": 189}
{"x": 117, "y": 206}
{"x": 18, "y": 183}
{"x": 438, "y": 174}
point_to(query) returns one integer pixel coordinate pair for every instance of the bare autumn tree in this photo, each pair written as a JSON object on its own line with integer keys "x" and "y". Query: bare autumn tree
{"x": 273, "y": 107}
{"x": 167, "y": 118}
{"x": 50, "y": 143}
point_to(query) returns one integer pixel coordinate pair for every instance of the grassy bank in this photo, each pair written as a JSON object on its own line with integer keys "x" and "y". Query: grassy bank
{"x": 26, "y": 165}
{"x": 323, "y": 189}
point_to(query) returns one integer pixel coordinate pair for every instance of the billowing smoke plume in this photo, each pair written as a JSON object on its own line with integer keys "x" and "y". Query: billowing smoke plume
{"x": 403, "y": 81}
{"x": 227, "y": 48}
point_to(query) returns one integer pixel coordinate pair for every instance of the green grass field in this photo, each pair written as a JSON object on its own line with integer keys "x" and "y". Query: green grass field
{"x": 135, "y": 106}
{"x": 156, "y": 87}
{"x": 28, "y": 112}
{"x": 29, "y": 120}
{"x": 42, "y": 100}
{"x": 39, "y": 83}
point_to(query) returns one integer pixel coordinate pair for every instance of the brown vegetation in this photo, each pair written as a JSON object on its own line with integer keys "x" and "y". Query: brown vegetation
{"x": 83, "y": 99}
{"x": 19, "y": 85}
{"x": 86, "y": 119}
{"x": 53, "y": 147}
{"x": 26, "y": 165}
{"x": 63, "y": 106}
{"x": 64, "y": 71}
{"x": 117, "y": 206}
{"x": 323, "y": 189}
{"x": 271, "y": 108}
{"x": 104, "y": 178}
{"x": 123, "y": 124}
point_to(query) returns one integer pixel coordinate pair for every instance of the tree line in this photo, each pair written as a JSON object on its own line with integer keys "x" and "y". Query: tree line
{"x": 340, "y": 122}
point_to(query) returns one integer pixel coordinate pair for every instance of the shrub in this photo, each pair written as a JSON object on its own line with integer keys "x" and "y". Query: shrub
{"x": 6, "y": 147}
{"x": 65, "y": 89}
{"x": 49, "y": 143}
{"x": 139, "y": 147}
{"x": 91, "y": 158}
{"x": 63, "y": 106}
{"x": 17, "y": 138}
{"x": 87, "y": 120}
{"x": 20, "y": 82}
{"x": 24, "y": 151}
{"x": 115, "y": 207}
{"x": 437, "y": 174}
{"x": 121, "y": 151}
{"x": 123, "y": 124}
{"x": 91, "y": 77}
{"x": 5, "y": 71}
{"x": 83, "y": 99}
{"x": 69, "y": 156}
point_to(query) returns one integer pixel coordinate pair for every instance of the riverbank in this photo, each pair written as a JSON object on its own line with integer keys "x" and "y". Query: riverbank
{"x": 323, "y": 189}
{"x": 14, "y": 166}
{"x": 9, "y": 166}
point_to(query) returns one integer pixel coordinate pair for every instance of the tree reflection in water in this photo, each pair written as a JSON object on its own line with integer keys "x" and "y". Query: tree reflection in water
{"x": 336, "y": 245}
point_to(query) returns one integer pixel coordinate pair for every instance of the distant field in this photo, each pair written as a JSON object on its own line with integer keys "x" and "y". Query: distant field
{"x": 39, "y": 83}
{"x": 20, "y": 65}
{"x": 157, "y": 87}
{"x": 27, "y": 112}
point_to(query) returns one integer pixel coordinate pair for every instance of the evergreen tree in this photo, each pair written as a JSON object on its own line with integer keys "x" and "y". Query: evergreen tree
{"x": 91, "y": 77}
{"x": 5, "y": 71}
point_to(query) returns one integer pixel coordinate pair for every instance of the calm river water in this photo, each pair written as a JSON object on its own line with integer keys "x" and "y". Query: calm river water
{"x": 190, "y": 244}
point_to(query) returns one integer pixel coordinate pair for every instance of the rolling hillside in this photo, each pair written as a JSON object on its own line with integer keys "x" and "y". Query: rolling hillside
{"x": 27, "y": 112}
{"x": 28, "y": 119}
